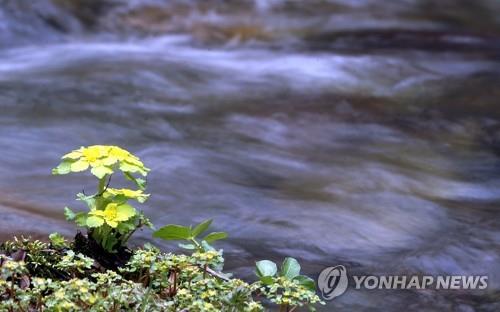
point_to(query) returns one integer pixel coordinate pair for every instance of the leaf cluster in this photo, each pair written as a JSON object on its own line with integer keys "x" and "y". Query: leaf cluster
{"x": 285, "y": 287}
{"x": 191, "y": 235}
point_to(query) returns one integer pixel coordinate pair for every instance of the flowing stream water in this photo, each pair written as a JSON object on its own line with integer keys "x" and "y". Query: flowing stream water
{"x": 363, "y": 133}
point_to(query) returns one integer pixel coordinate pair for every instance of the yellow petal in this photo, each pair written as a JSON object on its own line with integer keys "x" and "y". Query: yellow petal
{"x": 96, "y": 212}
{"x": 119, "y": 153}
{"x": 124, "y": 212}
{"x": 134, "y": 161}
{"x": 111, "y": 206}
{"x": 73, "y": 155}
{"x": 80, "y": 165}
{"x": 112, "y": 223}
{"x": 101, "y": 171}
{"x": 94, "y": 221}
{"x": 110, "y": 160}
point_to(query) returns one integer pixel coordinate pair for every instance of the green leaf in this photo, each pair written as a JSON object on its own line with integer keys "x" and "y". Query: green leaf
{"x": 187, "y": 246}
{"x": 267, "y": 280}
{"x": 212, "y": 237}
{"x": 63, "y": 168}
{"x": 129, "y": 177}
{"x": 206, "y": 246}
{"x": 94, "y": 221}
{"x": 89, "y": 200}
{"x": 57, "y": 240}
{"x": 306, "y": 281}
{"x": 144, "y": 220}
{"x": 81, "y": 219}
{"x": 101, "y": 171}
{"x": 141, "y": 183}
{"x": 127, "y": 167}
{"x": 69, "y": 214}
{"x": 173, "y": 232}
{"x": 265, "y": 268}
{"x": 142, "y": 199}
{"x": 125, "y": 227}
{"x": 200, "y": 228}
{"x": 290, "y": 268}
{"x": 110, "y": 243}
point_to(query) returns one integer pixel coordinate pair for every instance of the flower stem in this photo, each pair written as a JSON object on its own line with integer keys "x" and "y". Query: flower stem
{"x": 102, "y": 184}
{"x": 100, "y": 189}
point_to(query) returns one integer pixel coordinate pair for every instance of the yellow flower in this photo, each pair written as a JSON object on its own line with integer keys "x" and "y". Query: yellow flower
{"x": 101, "y": 159}
{"x": 66, "y": 306}
{"x": 87, "y": 156}
{"x": 208, "y": 306}
{"x": 92, "y": 299}
{"x": 92, "y": 153}
{"x": 112, "y": 215}
{"x": 129, "y": 194}
{"x": 212, "y": 293}
{"x": 59, "y": 294}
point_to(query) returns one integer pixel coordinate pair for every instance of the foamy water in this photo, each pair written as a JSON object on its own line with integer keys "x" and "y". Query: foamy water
{"x": 385, "y": 160}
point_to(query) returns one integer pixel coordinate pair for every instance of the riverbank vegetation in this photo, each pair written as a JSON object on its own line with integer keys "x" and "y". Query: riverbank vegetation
{"x": 98, "y": 272}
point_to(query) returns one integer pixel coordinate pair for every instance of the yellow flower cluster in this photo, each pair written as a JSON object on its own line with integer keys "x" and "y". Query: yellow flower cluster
{"x": 101, "y": 159}
{"x": 207, "y": 255}
{"x": 111, "y": 215}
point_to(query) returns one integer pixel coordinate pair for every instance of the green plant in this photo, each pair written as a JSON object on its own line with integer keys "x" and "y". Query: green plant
{"x": 149, "y": 281}
{"x": 75, "y": 264}
{"x": 58, "y": 241}
{"x": 55, "y": 276}
{"x": 190, "y": 235}
{"x": 39, "y": 257}
{"x": 203, "y": 252}
{"x": 287, "y": 288}
{"x": 111, "y": 220}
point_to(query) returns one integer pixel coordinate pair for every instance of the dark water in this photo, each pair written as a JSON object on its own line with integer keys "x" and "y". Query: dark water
{"x": 364, "y": 133}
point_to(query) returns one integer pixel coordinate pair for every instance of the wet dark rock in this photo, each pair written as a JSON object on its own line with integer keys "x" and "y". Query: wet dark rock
{"x": 90, "y": 248}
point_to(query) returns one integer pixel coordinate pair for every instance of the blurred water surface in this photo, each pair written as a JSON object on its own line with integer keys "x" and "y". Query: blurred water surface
{"x": 362, "y": 132}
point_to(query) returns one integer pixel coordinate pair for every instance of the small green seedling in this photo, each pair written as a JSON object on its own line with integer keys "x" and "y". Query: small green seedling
{"x": 267, "y": 271}
{"x": 287, "y": 287}
{"x": 58, "y": 241}
{"x": 190, "y": 235}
